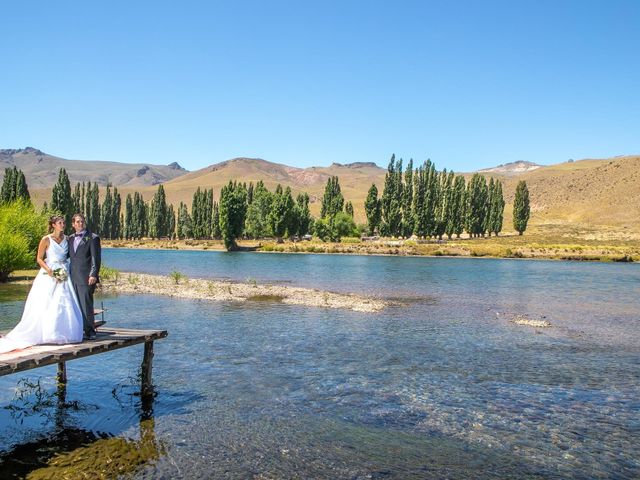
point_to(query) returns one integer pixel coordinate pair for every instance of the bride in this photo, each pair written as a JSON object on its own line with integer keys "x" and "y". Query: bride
{"x": 52, "y": 312}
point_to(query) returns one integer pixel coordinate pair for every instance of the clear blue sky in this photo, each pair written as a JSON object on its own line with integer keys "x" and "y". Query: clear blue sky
{"x": 469, "y": 84}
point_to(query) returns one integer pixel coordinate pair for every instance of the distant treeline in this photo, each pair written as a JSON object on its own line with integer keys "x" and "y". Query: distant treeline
{"x": 428, "y": 203}
{"x": 422, "y": 202}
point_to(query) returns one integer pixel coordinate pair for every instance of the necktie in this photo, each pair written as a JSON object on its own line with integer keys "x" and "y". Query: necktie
{"x": 77, "y": 239}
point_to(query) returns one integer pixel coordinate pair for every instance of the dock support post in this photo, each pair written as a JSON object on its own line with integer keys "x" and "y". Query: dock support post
{"x": 147, "y": 362}
{"x": 62, "y": 373}
{"x": 62, "y": 383}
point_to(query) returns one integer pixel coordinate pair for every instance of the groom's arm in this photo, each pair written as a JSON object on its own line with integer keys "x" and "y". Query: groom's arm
{"x": 96, "y": 258}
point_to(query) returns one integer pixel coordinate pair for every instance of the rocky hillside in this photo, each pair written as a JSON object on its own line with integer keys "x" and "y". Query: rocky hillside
{"x": 41, "y": 169}
{"x": 513, "y": 168}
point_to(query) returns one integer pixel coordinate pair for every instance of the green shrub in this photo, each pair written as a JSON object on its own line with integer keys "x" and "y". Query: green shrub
{"x": 14, "y": 254}
{"x": 322, "y": 229}
{"x": 108, "y": 273}
{"x": 21, "y": 229}
{"x": 351, "y": 240}
{"x": 177, "y": 276}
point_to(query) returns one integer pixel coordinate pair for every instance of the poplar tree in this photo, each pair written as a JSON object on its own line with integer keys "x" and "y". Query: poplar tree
{"x": 281, "y": 212}
{"x": 458, "y": 215}
{"x": 332, "y": 200}
{"x": 116, "y": 216}
{"x": 348, "y": 208}
{"x": 14, "y": 186}
{"x": 257, "y": 222}
{"x": 407, "y": 202}
{"x": 391, "y": 205}
{"x": 92, "y": 213}
{"x": 303, "y": 214}
{"x": 431, "y": 199}
{"x": 138, "y": 227}
{"x": 158, "y": 214}
{"x": 497, "y": 208}
{"x": 8, "y": 190}
{"x": 183, "y": 229}
{"x": 82, "y": 199}
{"x": 22, "y": 191}
{"x": 419, "y": 198}
{"x": 521, "y": 210}
{"x": 232, "y": 211}
{"x": 250, "y": 193}
{"x": 399, "y": 199}
{"x": 372, "y": 209}
{"x": 196, "y": 217}
{"x": 488, "y": 219}
{"x": 105, "y": 215}
{"x": 61, "y": 197}
{"x": 215, "y": 222}
{"x": 171, "y": 222}
{"x": 128, "y": 217}
{"x": 477, "y": 194}
{"x": 76, "y": 198}
{"x": 449, "y": 198}
{"x": 440, "y": 210}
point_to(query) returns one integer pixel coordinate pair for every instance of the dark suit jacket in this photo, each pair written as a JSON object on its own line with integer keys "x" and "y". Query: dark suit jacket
{"x": 85, "y": 262}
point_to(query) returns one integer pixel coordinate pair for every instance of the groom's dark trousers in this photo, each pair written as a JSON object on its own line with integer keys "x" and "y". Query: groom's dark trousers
{"x": 85, "y": 263}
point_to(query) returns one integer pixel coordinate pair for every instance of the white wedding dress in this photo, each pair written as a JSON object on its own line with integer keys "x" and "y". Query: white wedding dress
{"x": 52, "y": 312}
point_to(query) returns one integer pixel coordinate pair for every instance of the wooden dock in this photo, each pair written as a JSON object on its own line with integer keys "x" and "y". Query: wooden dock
{"x": 107, "y": 339}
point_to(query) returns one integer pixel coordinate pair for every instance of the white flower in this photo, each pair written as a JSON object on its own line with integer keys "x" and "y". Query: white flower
{"x": 60, "y": 274}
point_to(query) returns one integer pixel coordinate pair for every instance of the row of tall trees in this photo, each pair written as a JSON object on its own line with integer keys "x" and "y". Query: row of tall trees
{"x": 423, "y": 202}
{"x": 103, "y": 218}
{"x": 14, "y": 186}
{"x": 428, "y": 203}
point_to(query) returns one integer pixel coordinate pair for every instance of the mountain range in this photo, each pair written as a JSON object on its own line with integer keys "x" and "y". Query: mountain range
{"x": 590, "y": 198}
{"x": 41, "y": 169}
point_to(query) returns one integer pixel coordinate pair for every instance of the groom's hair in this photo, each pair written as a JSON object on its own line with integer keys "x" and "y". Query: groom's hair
{"x": 78, "y": 215}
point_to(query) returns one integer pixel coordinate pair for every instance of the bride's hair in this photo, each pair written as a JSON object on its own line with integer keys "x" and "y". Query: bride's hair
{"x": 53, "y": 219}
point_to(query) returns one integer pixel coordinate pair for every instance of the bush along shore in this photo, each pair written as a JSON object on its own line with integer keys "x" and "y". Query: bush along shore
{"x": 512, "y": 246}
{"x": 177, "y": 285}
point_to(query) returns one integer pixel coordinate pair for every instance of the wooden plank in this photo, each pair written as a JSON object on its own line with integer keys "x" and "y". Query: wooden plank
{"x": 106, "y": 340}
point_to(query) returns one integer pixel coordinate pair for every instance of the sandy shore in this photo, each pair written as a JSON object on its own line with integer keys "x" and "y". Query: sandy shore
{"x": 201, "y": 289}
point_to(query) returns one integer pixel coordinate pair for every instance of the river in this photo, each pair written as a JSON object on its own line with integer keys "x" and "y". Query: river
{"x": 441, "y": 385}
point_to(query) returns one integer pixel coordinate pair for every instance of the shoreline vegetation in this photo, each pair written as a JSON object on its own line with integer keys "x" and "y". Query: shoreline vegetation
{"x": 536, "y": 246}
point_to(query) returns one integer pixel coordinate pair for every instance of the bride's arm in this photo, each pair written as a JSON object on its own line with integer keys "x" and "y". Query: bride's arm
{"x": 42, "y": 248}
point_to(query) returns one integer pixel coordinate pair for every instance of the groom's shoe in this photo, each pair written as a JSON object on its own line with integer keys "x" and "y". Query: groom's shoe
{"x": 89, "y": 336}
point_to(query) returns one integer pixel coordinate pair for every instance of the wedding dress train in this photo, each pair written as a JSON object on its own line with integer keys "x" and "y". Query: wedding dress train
{"x": 52, "y": 312}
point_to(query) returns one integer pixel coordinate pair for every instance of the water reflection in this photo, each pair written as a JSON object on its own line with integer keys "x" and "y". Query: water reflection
{"x": 66, "y": 450}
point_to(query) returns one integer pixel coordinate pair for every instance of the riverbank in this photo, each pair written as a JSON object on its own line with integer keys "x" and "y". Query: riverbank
{"x": 536, "y": 246}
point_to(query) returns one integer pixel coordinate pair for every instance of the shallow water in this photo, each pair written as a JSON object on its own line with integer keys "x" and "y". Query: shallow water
{"x": 440, "y": 386}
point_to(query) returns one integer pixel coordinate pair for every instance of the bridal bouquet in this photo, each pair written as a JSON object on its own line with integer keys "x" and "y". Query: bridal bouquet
{"x": 60, "y": 274}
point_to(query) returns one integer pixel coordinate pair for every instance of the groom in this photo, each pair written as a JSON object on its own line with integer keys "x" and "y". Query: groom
{"x": 84, "y": 252}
